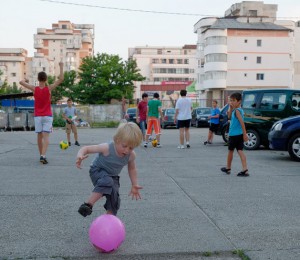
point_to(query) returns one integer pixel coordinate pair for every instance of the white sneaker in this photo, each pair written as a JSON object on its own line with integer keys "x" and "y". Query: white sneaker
{"x": 158, "y": 146}
{"x": 145, "y": 145}
{"x": 180, "y": 146}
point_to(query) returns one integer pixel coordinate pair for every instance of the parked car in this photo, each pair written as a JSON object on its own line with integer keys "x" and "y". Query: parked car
{"x": 131, "y": 114}
{"x": 263, "y": 107}
{"x": 200, "y": 116}
{"x": 285, "y": 136}
{"x": 168, "y": 114}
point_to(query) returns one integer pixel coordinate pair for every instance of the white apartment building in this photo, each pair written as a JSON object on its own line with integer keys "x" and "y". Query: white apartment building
{"x": 12, "y": 65}
{"x": 245, "y": 49}
{"x": 164, "y": 66}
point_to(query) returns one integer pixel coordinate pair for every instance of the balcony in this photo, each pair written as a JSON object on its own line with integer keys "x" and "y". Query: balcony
{"x": 63, "y": 31}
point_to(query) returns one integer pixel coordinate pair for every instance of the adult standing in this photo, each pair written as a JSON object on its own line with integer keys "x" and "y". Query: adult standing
{"x": 183, "y": 115}
{"x": 141, "y": 114}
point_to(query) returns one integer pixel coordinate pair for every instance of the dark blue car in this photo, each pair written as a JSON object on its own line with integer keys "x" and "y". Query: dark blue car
{"x": 285, "y": 136}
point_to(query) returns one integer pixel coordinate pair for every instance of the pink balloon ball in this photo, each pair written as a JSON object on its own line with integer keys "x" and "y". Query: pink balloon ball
{"x": 107, "y": 233}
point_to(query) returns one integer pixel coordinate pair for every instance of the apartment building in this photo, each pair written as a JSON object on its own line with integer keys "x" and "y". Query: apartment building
{"x": 12, "y": 65}
{"x": 245, "y": 49}
{"x": 166, "y": 68}
{"x": 65, "y": 42}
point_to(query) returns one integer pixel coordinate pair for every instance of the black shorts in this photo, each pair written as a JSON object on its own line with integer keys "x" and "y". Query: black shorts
{"x": 184, "y": 123}
{"x": 236, "y": 142}
{"x": 213, "y": 127}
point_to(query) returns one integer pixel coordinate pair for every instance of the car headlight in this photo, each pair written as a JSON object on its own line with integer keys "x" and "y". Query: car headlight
{"x": 277, "y": 127}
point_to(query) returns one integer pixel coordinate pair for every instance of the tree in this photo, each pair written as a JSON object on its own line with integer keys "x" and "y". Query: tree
{"x": 104, "y": 77}
{"x": 65, "y": 89}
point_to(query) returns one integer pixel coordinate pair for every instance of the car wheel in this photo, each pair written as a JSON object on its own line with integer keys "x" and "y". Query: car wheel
{"x": 254, "y": 140}
{"x": 294, "y": 147}
{"x": 225, "y": 135}
{"x": 164, "y": 126}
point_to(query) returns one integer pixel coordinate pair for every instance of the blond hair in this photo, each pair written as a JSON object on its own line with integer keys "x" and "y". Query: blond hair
{"x": 129, "y": 133}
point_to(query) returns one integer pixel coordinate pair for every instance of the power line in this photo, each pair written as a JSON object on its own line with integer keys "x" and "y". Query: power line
{"x": 124, "y": 9}
{"x": 145, "y": 11}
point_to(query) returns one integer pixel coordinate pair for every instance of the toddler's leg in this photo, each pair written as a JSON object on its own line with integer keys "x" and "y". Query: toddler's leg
{"x": 87, "y": 207}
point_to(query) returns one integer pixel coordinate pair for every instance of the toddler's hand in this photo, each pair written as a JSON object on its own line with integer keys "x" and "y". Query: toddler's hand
{"x": 79, "y": 159}
{"x": 134, "y": 193}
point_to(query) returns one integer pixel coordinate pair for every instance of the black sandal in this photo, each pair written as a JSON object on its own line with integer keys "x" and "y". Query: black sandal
{"x": 227, "y": 171}
{"x": 243, "y": 173}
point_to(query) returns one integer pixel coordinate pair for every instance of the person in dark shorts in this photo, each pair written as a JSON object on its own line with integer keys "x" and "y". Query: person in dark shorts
{"x": 214, "y": 122}
{"x": 237, "y": 135}
{"x": 182, "y": 118}
{"x": 105, "y": 169}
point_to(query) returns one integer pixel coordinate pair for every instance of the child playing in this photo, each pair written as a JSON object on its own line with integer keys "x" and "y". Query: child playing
{"x": 237, "y": 134}
{"x": 42, "y": 109}
{"x": 105, "y": 169}
{"x": 214, "y": 122}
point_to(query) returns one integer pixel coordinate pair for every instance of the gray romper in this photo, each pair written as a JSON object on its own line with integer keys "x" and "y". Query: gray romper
{"x": 104, "y": 173}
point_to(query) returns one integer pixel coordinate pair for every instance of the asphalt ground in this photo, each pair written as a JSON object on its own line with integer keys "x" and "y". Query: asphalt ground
{"x": 189, "y": 209}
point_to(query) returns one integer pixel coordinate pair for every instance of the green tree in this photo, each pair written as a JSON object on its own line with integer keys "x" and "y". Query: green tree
{"x": 104, "y": 77}
{"x": 7, "y": 89}
{"x": 65, "y": 89}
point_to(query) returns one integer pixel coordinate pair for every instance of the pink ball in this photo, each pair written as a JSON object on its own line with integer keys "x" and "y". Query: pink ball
{"x": 107, "y": 233}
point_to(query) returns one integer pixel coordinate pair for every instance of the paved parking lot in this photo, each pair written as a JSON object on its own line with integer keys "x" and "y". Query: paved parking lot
{"x": 189, "y": 209}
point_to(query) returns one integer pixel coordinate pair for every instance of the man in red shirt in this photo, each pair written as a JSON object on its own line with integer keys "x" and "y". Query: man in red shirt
{"x": 141, "y": 114}
{"x": 42, "y": 109}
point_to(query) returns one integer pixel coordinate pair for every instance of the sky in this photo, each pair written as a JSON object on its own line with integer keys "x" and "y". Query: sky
{"x": 117, "y": 30}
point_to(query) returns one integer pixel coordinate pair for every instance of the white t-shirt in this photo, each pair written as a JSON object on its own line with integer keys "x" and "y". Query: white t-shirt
{"x": 184, "y": 106}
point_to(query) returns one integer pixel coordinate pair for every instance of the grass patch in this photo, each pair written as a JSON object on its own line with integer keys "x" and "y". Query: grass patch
{"x": 109, "y": 124}
{"x": 241, "y": 254}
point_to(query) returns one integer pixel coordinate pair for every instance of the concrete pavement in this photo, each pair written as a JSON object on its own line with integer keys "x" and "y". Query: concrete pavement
{"x": 189, "y": 209}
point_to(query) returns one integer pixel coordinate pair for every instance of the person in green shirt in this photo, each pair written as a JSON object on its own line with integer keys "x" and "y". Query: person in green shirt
{"x": 153, "y": 113}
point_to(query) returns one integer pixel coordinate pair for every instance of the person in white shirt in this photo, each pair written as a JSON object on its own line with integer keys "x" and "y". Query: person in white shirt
{"x": 183, "y": 115}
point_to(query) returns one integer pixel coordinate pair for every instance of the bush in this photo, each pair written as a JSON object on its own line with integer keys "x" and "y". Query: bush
{"x": 58, "y": 121}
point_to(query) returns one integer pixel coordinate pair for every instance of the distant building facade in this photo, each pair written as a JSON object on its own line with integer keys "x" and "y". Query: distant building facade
{"x": 12, "y": 65}
{"x": 245, "y": 49}
{"x": 166, "y": 69}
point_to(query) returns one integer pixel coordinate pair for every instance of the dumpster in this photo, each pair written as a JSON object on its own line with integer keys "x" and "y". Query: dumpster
{"x": 17, "y": 121}
{"x": 3, "y": 120}
{"x": 30, "y": 121}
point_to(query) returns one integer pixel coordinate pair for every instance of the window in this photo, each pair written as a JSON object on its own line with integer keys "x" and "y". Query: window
{"x": 179, "y": 61}
{"x": 13, "y": 74}
{"x": 245, "y": 74}
{"x": 258, "y": 60}
{"x": 252, "y": 12}
{"x": 259, "y": 76}
{"x": 245, "y": 41}
{"x": 171, "y": 61}
{"x": 163, "y": 61}
{"x": 245, "y": 57}
{"x": 216, "y": 40}
{"x": 258, "y": 43}
{"x": 159, "y": 51}
{"x": 155, "y": 61}
{"x": 64, "y": 26}
{"x": 186, "y": 61}
{"x": 216, "y": 57}
{"x": 213, "y": 75}
{"x": 249, "y": 101}
{"x": 273, "y": 101}
{"x": 296, "y": 101}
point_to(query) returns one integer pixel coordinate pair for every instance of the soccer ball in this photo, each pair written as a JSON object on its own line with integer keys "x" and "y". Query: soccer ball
{"x": 63, "y": 145}
{"x": 154, "y": 142}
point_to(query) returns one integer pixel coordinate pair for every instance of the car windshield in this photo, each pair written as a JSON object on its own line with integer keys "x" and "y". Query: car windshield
{"x": 203, "y": 111}
{"x": 170, "y": 111}
{"x": 131, "y": 111}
